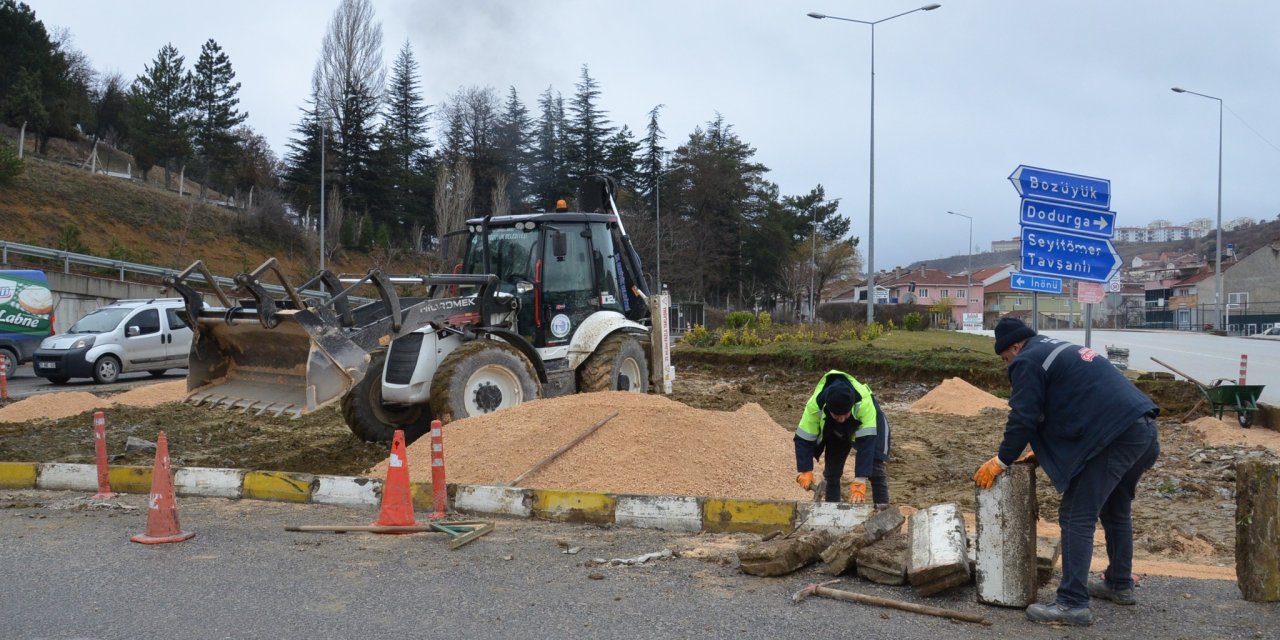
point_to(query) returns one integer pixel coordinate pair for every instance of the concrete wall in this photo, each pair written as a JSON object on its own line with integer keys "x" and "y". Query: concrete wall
{"x": 74, "y": 296}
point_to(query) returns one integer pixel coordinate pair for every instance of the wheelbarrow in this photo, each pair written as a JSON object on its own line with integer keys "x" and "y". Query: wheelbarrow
{"x": 1224, "y": 396}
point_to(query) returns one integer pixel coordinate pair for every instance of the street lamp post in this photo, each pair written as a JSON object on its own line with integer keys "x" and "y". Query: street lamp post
{"x": 322, "y": 194}
{"x": 813, "y": 268}
{"x": 871, "y": 209}
{"x": 1217, "y": 264}
{"x": 657, "y": 213}
{"x": 968, "y": 292}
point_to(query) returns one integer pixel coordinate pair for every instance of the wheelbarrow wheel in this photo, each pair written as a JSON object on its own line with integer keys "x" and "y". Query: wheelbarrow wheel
{"x": 1245, "y": 419}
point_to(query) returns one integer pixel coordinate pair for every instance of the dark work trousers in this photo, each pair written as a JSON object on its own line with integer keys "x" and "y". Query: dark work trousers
{"x": 1104, "y": 490}
{"x": 837, "y": 452}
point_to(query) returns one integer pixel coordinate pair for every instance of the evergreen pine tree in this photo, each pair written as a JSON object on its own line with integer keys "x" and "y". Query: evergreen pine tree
{"x": 215, "y": 114}
{"x": 514, "y": 149}
{"x": 588, "y": 130}
{"x": 160, "y": 107}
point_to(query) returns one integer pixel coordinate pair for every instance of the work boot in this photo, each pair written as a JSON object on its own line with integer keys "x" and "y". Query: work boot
{"x": 1060, "y": 614}
{"x": 1100, "y": 589}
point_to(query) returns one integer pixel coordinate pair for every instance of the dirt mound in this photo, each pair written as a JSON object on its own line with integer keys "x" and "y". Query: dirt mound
{"x": 64, "y": 404}
{"x": 51, "y": 406}
{"x": 654, "y": 446}
{"x": 957, "y": 397}
{"x": 1213, "y": 432}
{"x": 152, "y": 395}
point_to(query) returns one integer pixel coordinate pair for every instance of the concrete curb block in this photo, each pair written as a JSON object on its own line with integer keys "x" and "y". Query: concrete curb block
{"x": 500, "y": 501}
{"x": 670, "y": 513}
{"x": 18, "y": 475}
{"x": 347, "y": 491}
{"x": 688, "y": 514}
{"x": 64, "y": 476}
{"x": 836, "y": 517}
{"x": 203, "y": 481}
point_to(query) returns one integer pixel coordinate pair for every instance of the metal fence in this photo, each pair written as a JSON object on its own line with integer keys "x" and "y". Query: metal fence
{"x": 1240, "y": 319}
{"x": 123, "y": 270}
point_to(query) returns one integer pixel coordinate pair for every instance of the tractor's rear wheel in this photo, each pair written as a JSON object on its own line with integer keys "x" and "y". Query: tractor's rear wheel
{"x": 618, "y": 364}
{"x": 373, "y": 421}
{"x": 480, "y": 377}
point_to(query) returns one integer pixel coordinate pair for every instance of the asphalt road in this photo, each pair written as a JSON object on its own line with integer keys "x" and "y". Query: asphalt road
{"x": 25, "y": 383}
{"x": 1204, "y": 357}
{"x": 70, "y": 571}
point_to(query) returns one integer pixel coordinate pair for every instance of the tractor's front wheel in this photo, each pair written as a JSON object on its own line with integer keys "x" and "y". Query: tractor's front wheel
{"x": 480, "y": 377}
{"x": 618, "y": 364}
{"x": 373, "y": 421}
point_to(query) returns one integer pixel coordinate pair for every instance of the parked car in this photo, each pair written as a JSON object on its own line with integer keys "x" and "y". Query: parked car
{"x": 1272, "y": 333}
{"x": 125, "y": 336}
{"x": 26, "y": 315}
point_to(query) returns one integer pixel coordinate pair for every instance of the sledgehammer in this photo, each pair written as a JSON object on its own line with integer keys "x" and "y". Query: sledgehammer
{"x": 821, "y": 589}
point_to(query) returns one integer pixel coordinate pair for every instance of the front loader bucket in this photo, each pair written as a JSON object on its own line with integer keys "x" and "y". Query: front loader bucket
{"x": 301, "y": 364}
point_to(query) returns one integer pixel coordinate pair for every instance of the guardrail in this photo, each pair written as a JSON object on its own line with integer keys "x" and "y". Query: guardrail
{"x": 68, "y": 258}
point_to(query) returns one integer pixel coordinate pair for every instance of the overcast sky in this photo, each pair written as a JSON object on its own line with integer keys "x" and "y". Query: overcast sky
{"x": 963, "y": 94}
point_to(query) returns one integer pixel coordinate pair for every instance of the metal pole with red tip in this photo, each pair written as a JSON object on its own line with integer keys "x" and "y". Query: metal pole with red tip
{"x": 100, "y": 451}
{"x": 439, "y": 490}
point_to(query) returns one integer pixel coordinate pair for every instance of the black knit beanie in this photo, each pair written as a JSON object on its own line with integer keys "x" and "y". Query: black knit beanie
{"x": 1010, "y": 331}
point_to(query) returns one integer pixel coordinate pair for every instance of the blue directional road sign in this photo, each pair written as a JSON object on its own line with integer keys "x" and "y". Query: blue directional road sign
{"x": 1038, "y": 284}
{"x": 1059, "y": 186}
{"x": 1066, "y": 255}
{"x": 1064, "y": 217}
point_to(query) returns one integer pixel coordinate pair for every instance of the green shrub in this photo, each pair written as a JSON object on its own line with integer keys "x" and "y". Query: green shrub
{"x": 875, "y": 330}
{"x": 913, "y": 322}
{"x": 739, "y": 319}
{"x": 698, "y": 336}
{"x": 765, "y": 320}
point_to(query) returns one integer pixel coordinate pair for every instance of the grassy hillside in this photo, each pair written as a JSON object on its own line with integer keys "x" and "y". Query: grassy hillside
{"x": 138, "y": 222}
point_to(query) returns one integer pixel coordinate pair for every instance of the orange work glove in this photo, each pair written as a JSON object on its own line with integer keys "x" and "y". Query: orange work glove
{"x": 986, "y": 475}
{"x": 858, "y": 490}
{"x": 1029, "y": 456}
{"x": 805, "y": 480}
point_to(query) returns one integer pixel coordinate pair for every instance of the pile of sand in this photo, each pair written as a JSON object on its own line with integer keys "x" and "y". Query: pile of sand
{"x": 153, "y": 394}
{"x": 64, "y": 404}
{"x": 654, "y": 446}
{"x": 51, "y": 406}
{"x": 1213, "y": 432}
{"x": 957, "y": 397}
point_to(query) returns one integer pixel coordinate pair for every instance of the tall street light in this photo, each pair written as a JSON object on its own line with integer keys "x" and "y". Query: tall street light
{"x": 813, "y": 268}
{"x": 1217, "y": 266}
{"x": 871, "y": 210}
{"x": 968, "y": 292}
{"x": 657, "y": 212}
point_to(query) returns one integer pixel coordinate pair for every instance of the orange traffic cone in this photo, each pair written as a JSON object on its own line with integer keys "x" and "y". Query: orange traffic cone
{"x": 162, "y": 510}
{"x": 397, "y": 501}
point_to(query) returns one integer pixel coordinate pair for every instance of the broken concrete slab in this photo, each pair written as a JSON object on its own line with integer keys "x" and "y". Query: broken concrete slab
{"x": 885, "y": 561}
{"x": 1005, "y": 549}
{"x": 779, "y": 557}
{"x": 841, "y": 555}
{"x": 938, "y": 551}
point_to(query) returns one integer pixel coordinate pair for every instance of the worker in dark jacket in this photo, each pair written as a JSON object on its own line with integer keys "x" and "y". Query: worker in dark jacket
{"x": 843, "y": 414}
{"x": 1094, "y": 434}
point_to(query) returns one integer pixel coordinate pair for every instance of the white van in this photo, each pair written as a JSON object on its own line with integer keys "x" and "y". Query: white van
{"x": 125, "y": 336}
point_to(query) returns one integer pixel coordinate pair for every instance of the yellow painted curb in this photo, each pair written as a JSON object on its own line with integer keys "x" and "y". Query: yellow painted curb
{"x": 423, "y": 498}
{"x": 280, "y": 486}
{"x": 746, "y": 516}
{"x": 130, "y": 479}
{"x": 18, "y": 475}
{"x": 573, "y": 506}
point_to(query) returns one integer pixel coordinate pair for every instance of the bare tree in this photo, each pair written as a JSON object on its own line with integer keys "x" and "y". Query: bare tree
{"x": 501, "y": 198}
{"x": 454, "y": 187}
{"x": 350, "y": 58}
